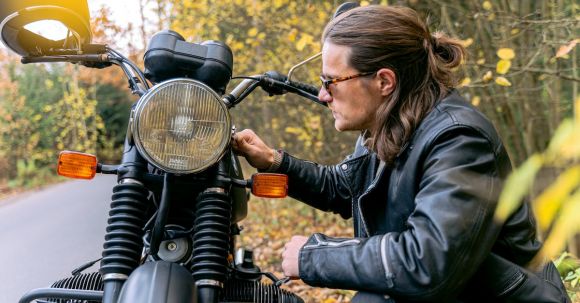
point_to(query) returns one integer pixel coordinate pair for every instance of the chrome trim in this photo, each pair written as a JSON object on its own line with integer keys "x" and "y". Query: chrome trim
{"x": 130, "y": 181}
{"x": 6, "y": 20}
{"x": 208, "y": 282}
{"x": 242, "y": 87}
{"x": 115, "y": 277}
{"x": 215, "y": 190}
{"x": 300, "y": 64}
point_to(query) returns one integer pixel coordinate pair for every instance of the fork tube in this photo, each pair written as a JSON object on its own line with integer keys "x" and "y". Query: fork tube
{"x": 123, "y": 239}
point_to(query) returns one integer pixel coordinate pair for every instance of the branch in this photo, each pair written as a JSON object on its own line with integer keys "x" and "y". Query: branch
{"x": 532, "y": 70}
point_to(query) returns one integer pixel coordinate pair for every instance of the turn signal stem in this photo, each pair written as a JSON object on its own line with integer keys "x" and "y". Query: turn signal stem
{"x": 107, "y": 169}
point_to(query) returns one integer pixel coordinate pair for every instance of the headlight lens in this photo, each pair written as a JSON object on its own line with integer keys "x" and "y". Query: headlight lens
{"x": 181, "y": 126}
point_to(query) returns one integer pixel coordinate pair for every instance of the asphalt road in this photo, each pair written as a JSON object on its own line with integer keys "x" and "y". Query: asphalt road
{"x": 46, "y": 234}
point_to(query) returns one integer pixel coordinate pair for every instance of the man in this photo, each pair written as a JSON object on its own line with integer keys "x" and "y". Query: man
{"x": 422, "y": 184}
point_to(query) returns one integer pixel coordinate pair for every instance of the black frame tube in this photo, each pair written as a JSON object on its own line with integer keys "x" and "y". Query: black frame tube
{"x": 61, "y": 293}
{"x": 161, "y": 218}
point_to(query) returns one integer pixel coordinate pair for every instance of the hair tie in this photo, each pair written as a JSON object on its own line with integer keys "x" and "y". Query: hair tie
{"x": 429, "y": 43}
{"x": 433, "y": 40}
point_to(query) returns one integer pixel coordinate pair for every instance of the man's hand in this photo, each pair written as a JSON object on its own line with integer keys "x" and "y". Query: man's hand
{"x": 249, "y": 145}
{"x": 290, "y": 261}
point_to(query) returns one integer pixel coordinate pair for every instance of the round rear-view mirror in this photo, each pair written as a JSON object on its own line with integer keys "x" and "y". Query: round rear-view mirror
{"x": 40, "y": 27}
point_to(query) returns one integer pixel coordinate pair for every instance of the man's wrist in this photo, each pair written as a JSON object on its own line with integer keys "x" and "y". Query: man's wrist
{"x": 278, "y": 155}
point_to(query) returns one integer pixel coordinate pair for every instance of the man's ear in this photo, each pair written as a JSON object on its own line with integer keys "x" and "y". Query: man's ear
{"x": 388, "y": 81}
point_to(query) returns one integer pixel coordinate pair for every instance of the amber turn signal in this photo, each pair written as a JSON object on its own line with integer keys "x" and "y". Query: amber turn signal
{"x": 76, "y": 165}
{"x": 270, "y": 185}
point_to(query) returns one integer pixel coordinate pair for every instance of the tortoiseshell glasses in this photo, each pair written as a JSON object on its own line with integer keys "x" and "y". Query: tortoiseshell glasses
{"x": 327, "y": 82}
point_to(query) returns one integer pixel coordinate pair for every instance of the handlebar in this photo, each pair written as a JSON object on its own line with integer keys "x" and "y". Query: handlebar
{"x": 273, "y": 83}
{"x": 94, "y": 60}
{"x": 96, "y": 56}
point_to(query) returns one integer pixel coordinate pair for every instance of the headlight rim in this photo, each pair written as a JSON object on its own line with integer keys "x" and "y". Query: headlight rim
{"x": 142, "y": 102}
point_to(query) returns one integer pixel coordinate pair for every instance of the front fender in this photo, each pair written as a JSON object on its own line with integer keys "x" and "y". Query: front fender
{"x": 159, "y": 282}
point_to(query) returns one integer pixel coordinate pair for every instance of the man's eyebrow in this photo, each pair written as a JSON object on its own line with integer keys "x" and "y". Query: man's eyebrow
{"x": 327, "y": 76}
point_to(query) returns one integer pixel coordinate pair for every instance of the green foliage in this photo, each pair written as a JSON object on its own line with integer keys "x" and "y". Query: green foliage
{"x": 29, "y": 175}
{"x": 569, "y": 268}
{"x": 44, "y": 110}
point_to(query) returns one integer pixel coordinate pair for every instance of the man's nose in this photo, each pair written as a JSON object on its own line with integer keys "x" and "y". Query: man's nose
{"x": 324, "y": 96}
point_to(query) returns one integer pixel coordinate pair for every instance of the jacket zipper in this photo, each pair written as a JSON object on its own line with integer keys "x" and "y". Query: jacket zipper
{"x": 321, "y": 242}
{"x": 385, "y": 259}
{"x": 373, "y": 184}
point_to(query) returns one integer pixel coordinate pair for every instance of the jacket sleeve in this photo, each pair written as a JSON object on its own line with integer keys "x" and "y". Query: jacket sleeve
{"x": 320, "y": 186}
{"x": 448, "y": 235}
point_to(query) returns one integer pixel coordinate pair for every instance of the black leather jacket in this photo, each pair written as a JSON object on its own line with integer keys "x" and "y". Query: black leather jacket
{"x": 424, "y": 227}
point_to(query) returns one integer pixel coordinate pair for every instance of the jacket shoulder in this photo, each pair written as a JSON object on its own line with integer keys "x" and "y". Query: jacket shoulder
{"x": 454, "y": 112}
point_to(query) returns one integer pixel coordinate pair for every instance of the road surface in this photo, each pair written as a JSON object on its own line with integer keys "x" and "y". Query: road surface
{"x": 47, "y": 233}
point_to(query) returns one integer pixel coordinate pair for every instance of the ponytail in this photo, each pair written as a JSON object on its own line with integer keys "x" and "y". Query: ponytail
{"x": 443, "y": 55}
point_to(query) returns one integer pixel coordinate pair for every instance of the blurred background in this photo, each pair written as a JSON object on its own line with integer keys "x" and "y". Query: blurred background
{"x": 521, "y": 72}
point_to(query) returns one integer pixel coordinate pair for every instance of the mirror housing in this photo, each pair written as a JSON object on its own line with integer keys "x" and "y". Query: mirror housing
{"x": 15, "y": 15}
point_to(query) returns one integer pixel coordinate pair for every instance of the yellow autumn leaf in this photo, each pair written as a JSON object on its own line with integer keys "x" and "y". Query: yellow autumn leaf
{"x": 476, "y": 100}
{"x": 491, "y": 17}
{"x": 548, "y": 202}
{"x": 564, "y": 143}
{"x": 364, "y": 3}
{"x": 565, "y": 49}
{"x": 292, "y": 35}
{"x": 566, "y": 225}
{"x": 515, "y": 31}
{"x": 506, "y": 53}
{"x": 480, "y": 61}
{"x": 303, "y": 41}
{"x": 503, "y": 66}
{"x": 486, "y": 5}
{"x": 467, "y": 42}
{"x": 253, "y": 32}
{"x": 465, "y": 82}
{"x": 488, "y": 76}
{"x": 542, "y": 77}
{"x": 293, "y": 130}
{"x": 571, "y": 149}
{"x": 517, "y": 186}
{"x": 502, "y": 81}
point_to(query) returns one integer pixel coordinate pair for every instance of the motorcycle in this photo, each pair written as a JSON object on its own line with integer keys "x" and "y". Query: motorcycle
{"x": 181, "y": 194}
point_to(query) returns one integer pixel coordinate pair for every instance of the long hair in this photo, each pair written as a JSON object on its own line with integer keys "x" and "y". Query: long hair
{"x": 396, "y": 38}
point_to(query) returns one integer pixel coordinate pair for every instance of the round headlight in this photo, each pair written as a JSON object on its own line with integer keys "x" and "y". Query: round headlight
{"x": 181, "y": 126}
